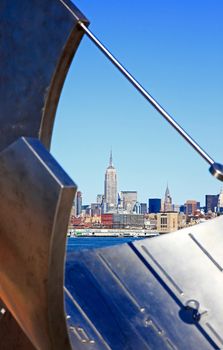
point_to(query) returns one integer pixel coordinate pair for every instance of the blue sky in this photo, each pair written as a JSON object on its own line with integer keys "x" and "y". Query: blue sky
{"x": 175, "y": 50}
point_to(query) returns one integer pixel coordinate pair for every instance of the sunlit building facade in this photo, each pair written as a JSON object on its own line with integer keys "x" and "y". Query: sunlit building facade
{"x": 110, "y": 188}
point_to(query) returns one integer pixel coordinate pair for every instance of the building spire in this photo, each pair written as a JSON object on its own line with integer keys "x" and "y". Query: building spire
{"x": 110, "y": 159}
{"x": 167, "y": 192}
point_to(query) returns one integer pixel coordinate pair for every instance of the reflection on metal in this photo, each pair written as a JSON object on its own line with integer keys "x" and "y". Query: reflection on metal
{"x": 178, "y": 285}
{"x": 38, "y": 41}
{"x": 154, "y": 294}
{"x": 216, "y": 170}
{"x": 36, "y": 198}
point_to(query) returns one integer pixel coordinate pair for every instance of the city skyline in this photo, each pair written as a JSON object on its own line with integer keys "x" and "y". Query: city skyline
{"x": 112, "y": 191}
{"x": 174, "y": 52}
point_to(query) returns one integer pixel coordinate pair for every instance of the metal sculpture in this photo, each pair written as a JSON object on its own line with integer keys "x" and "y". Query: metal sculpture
{"x": 156, "y": 305}
{"x": 161, "y": 293}
{"x": 38, "y": 41}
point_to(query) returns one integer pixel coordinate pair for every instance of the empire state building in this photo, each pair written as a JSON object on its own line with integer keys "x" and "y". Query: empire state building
{"x": 110, "y": 185}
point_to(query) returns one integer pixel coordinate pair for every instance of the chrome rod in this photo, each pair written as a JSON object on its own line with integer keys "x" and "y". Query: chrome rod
{"x": 148, "y": 97}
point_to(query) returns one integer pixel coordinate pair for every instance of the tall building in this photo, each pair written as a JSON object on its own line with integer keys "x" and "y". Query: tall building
{"x": 220, "y": 202}
{"x": 143, "y": 208}
{"x": 191, "y": 207}
{"x": 110, "y": 185}
{"x": 211, "y": 202}
{"x": 99, "y": 198}
{"x": 95, "y": 209}
{"x": 154, "y": 205}
{"x": 78, "y": 203}
{"x": 129, "y": 200}
{"x": 168, "y": 206}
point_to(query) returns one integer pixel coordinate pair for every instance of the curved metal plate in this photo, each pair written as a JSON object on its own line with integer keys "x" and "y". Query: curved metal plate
{"x": 38, "y": 41}
{"x": 157, "y": 293}
{"x": 36, "y": 196}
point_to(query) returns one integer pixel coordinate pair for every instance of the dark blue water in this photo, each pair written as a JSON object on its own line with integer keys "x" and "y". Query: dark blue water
{"x": 79, "y": 243}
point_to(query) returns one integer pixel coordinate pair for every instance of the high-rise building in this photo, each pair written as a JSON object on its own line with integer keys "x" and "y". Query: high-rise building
{"x": 95, "y": 209}
{"x": 168, "y": 206}
{"x": 129, "y": 199}
{"x": 143, "y": 208}
{"x": 128, "y": 220}
{"x": 137, "y": 208}
{"x": 182, "y": 208}
{"x": 220, "y": 202}
{"x": 154, "y": 205}
{"x": 191, "y": 207}
{"x": 110, "y": 185}
{"x": 99, "y": 198}
{"x": 78, "y": 203}
{"x": 211, "y": 202}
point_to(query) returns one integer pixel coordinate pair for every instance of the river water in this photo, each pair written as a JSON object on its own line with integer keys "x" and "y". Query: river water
{"x": 78, "y": 243}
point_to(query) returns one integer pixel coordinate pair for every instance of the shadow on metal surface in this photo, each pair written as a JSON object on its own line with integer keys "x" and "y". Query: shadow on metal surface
{"x": 38, "y": 41}
{"x": 157, "y": 293}
{"x": 162, "y": 293}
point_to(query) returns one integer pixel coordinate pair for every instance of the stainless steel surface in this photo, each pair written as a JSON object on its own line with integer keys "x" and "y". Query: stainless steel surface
{"x": 154, "y": 294}
{"x": 216, "y": 170}
{"x": 157, "y": 293}
{"x": 36, "y": 197}
{"x": 149, "y": 98}
{"x": 38, "y": 42}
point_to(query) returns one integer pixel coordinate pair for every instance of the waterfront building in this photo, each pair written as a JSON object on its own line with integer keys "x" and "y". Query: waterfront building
{"x": 150, "y": 222}
{"x": 167, "y": 222}
{"x": 128, "y": 221}
{"x": 129, "y": 200}
{"x": 211, "y": 202}
{"x": 154, "y": 205}
{"x": 110, "y": 186}
{"x": 107, "y": 220}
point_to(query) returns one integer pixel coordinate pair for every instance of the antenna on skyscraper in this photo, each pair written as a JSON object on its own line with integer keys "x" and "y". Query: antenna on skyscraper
{"x": 216, "y": 169}
{"x": 110, "y": 159}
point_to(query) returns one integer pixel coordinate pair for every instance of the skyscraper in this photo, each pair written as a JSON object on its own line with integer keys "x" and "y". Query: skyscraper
{"x": 191, "y": 207}
{"x": 211, "y": 202}
{"x": 154, "y": 205}
{"x": 220, "y": 202}
{"x": 129, "y": 199}
{"x": 111, "y": 185}
{"x": 168, "y": 206}
{"x": 78, "y": 203}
